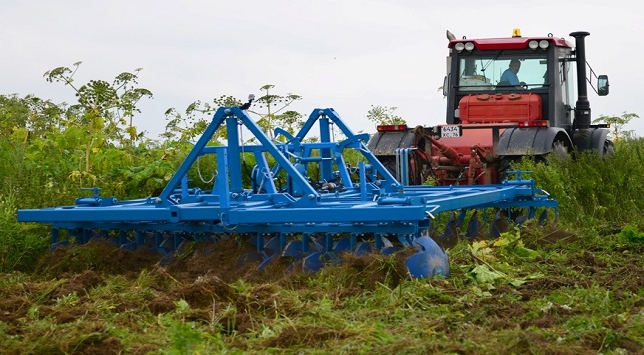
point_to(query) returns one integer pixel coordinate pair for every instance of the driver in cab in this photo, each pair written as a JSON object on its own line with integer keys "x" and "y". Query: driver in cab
{"x": 509, "y": 76}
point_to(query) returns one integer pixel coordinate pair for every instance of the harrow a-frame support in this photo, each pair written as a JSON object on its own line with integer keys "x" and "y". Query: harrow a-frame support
{"x": 358, "y": 210}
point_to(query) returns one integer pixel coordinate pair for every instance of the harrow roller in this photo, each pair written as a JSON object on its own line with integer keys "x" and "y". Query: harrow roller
{"x": 311, "y": 220}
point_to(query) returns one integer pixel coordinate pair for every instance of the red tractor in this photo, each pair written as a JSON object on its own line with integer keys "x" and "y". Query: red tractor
{"x": 506, "y": 98}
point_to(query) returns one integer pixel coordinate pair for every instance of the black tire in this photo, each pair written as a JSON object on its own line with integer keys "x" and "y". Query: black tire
{"x": 560, "y": 149}
{"x": 389, "y": 162}
{"x": 609, "y": 148}
{"x": 505, "y": 165}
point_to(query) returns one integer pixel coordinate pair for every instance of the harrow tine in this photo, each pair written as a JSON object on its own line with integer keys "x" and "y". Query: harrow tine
{"x": 461, "y": 218}
{"x": 499, "y": 224}
{"x": 168, "y": 244}
{"x": 123, "y": 239}
{"x": 405, "y": 240}
{"x": 162, "y": 243}
{"x": 531, "y": 212}
{"x": 520, "y": 219}
{"x": 139, "y": 239}
{"x": 543, "y": 217}
{"x": 127, "y": 244}
{"x": 328, "y": 240}
{"x": 384, "y": 241}
{"x": 472, "y": 227}
{"x": 81, "y": 236}
{"x": 55, "y": 243}
{"x": 315, "y": 261}
{"x": 450, "y": 233}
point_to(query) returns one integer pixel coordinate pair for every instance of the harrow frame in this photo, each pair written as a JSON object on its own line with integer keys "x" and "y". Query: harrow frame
{"x": 309, "y": 221}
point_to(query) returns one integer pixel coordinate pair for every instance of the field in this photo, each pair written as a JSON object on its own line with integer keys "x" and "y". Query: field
{"x": 575, "y": 286}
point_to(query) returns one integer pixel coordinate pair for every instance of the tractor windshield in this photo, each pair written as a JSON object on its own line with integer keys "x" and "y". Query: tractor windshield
{"x": 489, "y": 72}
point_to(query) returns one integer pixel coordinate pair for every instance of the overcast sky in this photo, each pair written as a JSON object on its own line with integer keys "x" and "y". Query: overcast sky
{"x": 344, "y": 54}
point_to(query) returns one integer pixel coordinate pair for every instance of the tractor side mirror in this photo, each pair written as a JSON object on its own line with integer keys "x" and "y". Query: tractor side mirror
{"x": 602, "y": 85}
{"x": 446, "y": 85}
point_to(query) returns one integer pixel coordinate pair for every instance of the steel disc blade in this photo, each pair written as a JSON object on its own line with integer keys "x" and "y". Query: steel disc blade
{"x": 272, "y": 247}
{"x": 316, "y": 261}
{"x": 130, "y": 246}
{"x": 427, "y": 265}
{"x": 363, "y": 248}
{"x": 163, "y": 251}
{"x": 343, "y": 244}
{"x": 250, "y": 257}
{"x": 168, "y": 242}
{"x": 316, "y": 246}
{"x": 294, "y": 249}
{"x": 425, "y": 243}
{"x": 313, "y": 262}
{"x": 265, "y": 263}
{"x": 431, "y": 261}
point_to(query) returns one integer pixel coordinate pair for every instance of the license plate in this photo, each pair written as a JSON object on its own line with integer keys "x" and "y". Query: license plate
{"x": 451, "y": 131}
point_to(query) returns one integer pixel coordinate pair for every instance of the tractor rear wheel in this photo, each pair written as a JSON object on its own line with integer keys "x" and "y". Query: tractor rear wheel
{"x": 389, "y": 162}
{"x": 609, "y": 148}
{"x": 560, "y": 149}
{"x": 505, "y": 165}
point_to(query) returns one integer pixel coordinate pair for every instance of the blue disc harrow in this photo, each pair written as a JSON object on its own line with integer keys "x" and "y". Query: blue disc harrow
{"x": 360, "y": 209}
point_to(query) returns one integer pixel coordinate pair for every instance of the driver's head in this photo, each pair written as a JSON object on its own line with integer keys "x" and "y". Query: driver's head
{"x": 515, "y": 65}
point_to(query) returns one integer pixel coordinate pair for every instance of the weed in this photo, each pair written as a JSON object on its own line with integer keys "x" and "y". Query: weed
{"x": 631, "y": 235}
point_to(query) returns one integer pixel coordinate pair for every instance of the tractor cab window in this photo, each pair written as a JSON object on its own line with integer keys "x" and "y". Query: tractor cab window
{"x": 487, "y": 73}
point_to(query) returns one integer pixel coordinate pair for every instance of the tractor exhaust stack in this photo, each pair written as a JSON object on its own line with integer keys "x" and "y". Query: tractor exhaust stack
{"x": 582, "y": 107}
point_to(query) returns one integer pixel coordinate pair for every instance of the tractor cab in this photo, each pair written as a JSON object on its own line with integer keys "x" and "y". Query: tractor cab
{"x": 514, "y": 68}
